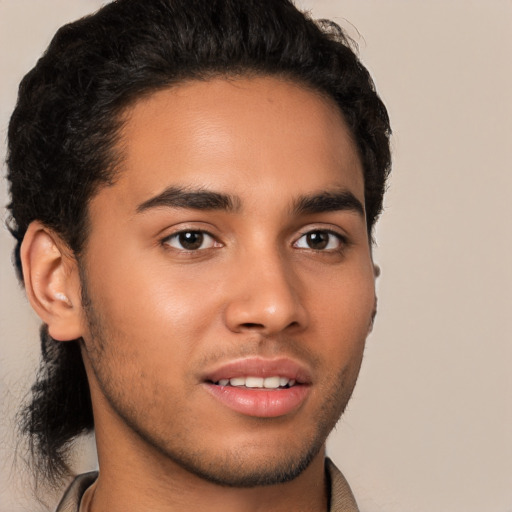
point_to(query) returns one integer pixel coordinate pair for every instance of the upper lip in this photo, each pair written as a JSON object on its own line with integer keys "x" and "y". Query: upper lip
{"x": 260, "y": 367}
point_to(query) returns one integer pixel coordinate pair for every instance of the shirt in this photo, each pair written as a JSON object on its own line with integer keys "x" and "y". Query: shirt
{"x": 341, "y": 497}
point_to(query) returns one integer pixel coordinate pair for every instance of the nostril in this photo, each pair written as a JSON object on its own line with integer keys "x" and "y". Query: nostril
{"x": 256, "y": 326}
{"x": 249, "y": 325}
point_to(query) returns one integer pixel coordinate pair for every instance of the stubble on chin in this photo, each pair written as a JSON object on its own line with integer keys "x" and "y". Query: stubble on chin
{"x": 241, "y": 467}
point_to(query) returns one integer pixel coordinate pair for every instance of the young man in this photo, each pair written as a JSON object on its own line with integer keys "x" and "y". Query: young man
{"x": 193, "y": 191}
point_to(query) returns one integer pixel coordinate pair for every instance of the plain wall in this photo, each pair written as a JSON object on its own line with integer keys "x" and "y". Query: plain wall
{"x": 430, "y": 425}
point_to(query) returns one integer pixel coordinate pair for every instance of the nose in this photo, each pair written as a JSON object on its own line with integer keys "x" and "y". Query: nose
{"x": 265, "y": 297}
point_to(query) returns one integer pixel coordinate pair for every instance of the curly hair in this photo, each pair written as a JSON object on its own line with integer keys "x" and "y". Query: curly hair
{"x": 63, "y": 133}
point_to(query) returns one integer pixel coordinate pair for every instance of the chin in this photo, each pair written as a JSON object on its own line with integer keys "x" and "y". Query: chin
{"x": 242, "y": 470}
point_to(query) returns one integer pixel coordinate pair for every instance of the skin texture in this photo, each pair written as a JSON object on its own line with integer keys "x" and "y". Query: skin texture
{"x": 157, "y": 318}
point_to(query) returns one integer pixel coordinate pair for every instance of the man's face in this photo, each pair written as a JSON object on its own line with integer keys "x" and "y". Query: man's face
{"x": 228, "y": 280}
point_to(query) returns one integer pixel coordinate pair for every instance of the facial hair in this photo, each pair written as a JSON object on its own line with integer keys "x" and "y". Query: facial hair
{"x": 231, "y": 469}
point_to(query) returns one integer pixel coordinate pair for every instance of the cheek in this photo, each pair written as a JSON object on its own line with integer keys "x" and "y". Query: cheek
{"x": 145, "y": 330}
{"x": 150, "y": 310}
{"x": 343, "y": 313}
{"x": 144, "y": 289}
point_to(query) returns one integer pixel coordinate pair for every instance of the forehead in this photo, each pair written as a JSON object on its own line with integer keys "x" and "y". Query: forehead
{"x": 245, "y": 136}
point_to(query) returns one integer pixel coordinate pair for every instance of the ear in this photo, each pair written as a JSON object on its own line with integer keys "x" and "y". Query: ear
{"x": 372, "y": 318}
{"x": 376, "y": 274}
{"x": 52, "y": 282}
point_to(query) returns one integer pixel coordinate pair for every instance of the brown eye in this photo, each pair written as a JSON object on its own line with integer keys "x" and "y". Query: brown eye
{"x": 320, "y": 240}
{"x": 317, "y": 240}
{"x": 190, "y": 240}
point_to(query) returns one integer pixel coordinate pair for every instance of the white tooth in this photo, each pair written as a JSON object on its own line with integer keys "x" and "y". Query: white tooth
{"x": 271, "y": 382}
{"x": 223, "y": 382}
{"x": 283, "y": 381}
{"x": 237, "y": 381}
{"x": 254, "y": 382}
{"x": 291, "y": 383}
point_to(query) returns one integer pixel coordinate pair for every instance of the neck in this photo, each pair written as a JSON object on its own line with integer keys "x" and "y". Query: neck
{"x": 140, "y": 483}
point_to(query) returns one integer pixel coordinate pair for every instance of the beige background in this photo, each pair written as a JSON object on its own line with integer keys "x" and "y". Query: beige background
{"x": 430, "y": 425}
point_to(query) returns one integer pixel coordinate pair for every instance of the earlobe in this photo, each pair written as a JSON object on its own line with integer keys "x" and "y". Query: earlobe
{"x": 51, "y": 281}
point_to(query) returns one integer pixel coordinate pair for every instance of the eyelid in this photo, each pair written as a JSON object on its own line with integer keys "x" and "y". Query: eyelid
{"x": 343, "y": 240}
{"x": 175, "y": 234}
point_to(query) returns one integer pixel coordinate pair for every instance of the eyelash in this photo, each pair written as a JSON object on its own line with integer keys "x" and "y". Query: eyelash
{"x": 342, "y": 240}
{"x": 201, "y": 232}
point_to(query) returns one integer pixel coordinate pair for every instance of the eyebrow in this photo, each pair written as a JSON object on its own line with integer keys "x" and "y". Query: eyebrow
{"x": 328, "y": 202}
{"x": 194, "y": 199}
{"x": 200, "y": 199}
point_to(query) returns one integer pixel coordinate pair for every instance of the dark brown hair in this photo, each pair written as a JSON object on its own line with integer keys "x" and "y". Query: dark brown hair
{"x": 63, "y": 131}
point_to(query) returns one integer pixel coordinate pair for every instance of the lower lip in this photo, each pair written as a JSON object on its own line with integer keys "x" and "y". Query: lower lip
{"x": 260, "y": 403}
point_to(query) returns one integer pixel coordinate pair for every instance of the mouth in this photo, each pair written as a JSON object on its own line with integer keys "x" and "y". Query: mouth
{"x": 260, "y": 388}
{"x": 251, "y": 382}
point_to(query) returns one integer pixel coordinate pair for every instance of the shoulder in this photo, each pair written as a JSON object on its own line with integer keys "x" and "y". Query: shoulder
{"x": 70, "y": 502}
{"x": 342, "y": 499}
